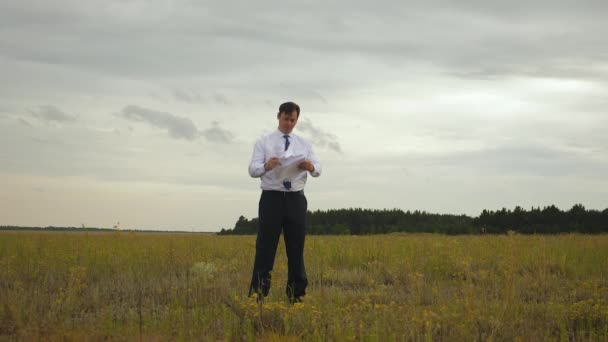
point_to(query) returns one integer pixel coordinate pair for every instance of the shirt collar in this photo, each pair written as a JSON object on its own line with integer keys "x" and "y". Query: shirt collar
{"x": 281, "y": 134}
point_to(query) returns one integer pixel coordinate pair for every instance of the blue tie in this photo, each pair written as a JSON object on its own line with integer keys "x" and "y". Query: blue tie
{"x": 286, "y": 183}
{"x": 286, "y": 141}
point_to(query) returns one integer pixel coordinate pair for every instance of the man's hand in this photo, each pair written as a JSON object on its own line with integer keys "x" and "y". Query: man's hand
{"x": 307, "y": 165}
{"x": 271, "y": 163}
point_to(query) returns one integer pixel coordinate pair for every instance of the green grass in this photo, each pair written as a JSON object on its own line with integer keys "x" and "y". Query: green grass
{"x": 94, "y": 286}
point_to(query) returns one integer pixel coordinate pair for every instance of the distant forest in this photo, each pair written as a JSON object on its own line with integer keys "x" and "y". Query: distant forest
{"x": 356, "y": 221}
{"x": 548, "y": 220}
{"x": 92, "y": 229}
{"x": 59, "y": 229}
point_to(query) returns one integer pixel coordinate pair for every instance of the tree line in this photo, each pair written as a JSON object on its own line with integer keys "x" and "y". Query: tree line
{"x": 92, "y": 229}
{"x": 357, "y": 221}
{"x": 549, "y": 220}
{"x": 58, "y": 229}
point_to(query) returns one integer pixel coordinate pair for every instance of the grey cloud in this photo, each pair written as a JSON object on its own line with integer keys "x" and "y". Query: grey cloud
{"x": 188, "y": 96}
{"x": 177, "y": 127}
{"x": 4, "y": 111}
{"x": 538, "y": 7}
{"x": 470, "y": 39}
{"x": 194, "y": 97}
{"x": 298, "y": 91}
{"x": 107, "y": 157}
{"x": 50, "y": 114}
{"x": 523, "y": 158}
{"x": 222, "y": 99}
{"x": 217, "y": 134}
{"x": 320, "y": 137}
{"x": 24, "y": 122}
{"x": 332, "y": 145}
{"x": 45, "y": 141}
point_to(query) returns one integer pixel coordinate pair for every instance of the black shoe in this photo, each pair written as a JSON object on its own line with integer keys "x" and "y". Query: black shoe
{"x": 259, "y": 298}
{"x": 295, "y": 300}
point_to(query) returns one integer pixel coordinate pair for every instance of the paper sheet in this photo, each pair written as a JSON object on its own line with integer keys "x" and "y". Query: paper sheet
{"x": 289, "y": 167}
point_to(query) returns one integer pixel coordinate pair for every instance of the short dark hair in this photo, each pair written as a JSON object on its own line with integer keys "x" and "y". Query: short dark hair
{"x": 288, "y": 108}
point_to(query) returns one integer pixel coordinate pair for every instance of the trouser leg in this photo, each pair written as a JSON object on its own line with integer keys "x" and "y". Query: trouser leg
{"x": 294, "y": 233}
{"x": 269, "y": 230}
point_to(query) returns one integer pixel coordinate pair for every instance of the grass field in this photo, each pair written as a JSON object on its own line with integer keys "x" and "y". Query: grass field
{"x": 153, "y": 287}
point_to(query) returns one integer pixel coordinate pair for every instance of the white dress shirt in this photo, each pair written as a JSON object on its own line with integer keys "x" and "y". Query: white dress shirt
{"x": 273, "y": 145}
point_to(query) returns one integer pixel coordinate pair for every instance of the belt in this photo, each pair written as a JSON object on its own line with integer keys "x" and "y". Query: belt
{"x": 283, "y": 192}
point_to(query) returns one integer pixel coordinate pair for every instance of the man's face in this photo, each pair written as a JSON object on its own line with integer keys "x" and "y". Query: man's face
{"x": 287, "y": 121}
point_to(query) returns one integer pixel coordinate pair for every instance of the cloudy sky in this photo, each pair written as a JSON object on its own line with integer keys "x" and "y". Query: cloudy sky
{"x": 145, "y": 112}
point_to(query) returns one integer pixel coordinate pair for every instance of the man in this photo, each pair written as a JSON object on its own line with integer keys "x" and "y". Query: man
{"x": 282, "y": 204}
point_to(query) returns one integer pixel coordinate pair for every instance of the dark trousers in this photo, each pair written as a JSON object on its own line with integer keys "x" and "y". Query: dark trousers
{"x": 278, "y": 211}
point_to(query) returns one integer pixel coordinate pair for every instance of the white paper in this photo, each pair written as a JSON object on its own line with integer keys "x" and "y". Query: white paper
{"x": 289, "y": 167}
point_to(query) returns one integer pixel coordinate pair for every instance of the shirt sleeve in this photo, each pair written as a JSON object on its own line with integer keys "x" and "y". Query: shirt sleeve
{"x": 315, "y": 161}
{"x": 256, "y": 166}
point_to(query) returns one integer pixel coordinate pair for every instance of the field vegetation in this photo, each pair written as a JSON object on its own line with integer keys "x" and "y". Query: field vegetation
{"x": 153, "y": 287}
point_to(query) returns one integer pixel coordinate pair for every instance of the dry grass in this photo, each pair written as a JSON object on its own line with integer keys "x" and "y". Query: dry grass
{"x": 153, "y": 287}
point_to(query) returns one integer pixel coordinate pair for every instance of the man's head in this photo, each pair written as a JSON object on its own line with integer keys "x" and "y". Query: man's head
{"x": 288, "y": 115}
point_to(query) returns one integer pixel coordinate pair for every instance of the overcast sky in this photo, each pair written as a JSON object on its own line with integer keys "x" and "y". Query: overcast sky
{"x": 145, "y": 112}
